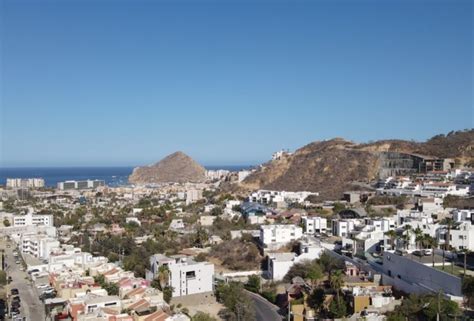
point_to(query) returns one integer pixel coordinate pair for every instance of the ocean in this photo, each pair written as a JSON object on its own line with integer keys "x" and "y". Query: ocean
{"x": 113, "y": 176}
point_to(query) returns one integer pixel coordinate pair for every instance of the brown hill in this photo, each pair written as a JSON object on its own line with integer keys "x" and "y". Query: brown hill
{"x": 333, "y": 166}
{"x": 175, "y": 168}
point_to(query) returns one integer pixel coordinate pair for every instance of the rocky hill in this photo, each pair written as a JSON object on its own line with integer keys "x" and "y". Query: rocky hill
{"x": 333, "y": 166}
{"x": 175, "y": 168}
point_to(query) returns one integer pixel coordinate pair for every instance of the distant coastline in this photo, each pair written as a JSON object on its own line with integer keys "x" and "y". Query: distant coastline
{"x": 112, "y": 175}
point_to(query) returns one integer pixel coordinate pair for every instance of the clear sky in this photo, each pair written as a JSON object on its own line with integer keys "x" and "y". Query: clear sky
{"x": 228, "y": 82}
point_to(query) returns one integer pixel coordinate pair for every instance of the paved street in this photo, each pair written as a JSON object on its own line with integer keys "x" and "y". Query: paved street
{"x": 264, "y": 310}
{"x": 31, "y": 306}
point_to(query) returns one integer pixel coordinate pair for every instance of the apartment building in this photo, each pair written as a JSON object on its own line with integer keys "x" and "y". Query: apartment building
{"x": 461, "y": 235}
{"x": 342, "y": 228}
{"x": 275, "y": 236}
{"x": 193, "y": 195}
{"x": 314, "y": 224}
{"x": 33, "y": 219}
{"x": 39, "y": 246}
{"x": 185, "y": 275}
{"x": 24, "y": 182}
{"x": 87, "y": 184}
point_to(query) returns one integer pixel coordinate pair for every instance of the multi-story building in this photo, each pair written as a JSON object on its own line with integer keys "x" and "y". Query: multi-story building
{"x": 24, "y": 182}
{"x": 185, "y": 275}
{"x": 193, "y": 195}
{"x": 88, "y": 184}
{"x": 315, "y": 224}
{"x": 342, "y": 228}
{"x": 461, "y": 235}
{"x": 269, "y": 197}
{"x": 39, "y": 246}
{"x": 275, "y": 236}
{"x": 33, "y": 219}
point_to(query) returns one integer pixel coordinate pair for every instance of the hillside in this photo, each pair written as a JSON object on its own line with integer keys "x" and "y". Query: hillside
{"x": 175, "y": 168}
{"x": 333, "y": 166}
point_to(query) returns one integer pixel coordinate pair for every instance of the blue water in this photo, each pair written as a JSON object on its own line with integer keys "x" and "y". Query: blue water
{"x": 113, "y": 176}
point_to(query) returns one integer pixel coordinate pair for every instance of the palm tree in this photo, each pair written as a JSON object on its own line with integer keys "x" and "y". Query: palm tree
{"x": 406, "y": 237}
{"x": 418, "y": 237}
{"x": 392, "y": 235}
{"x": 431, "y": 243}
{"x": 447, "y": 238}
{"x": 465, "y": 251}
{"x": 163, "y": 276}
{"x": 337, "y": 281}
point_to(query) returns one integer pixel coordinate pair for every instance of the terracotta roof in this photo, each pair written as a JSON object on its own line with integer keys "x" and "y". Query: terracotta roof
{"x": 135, "y": 292}
{"x": 142, "y": 303}
{"x": 110, "y": 311}
{"x": 110, "y": 272}
{"x": 157, "y": 316}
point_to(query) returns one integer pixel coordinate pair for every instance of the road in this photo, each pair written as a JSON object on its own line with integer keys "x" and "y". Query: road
{"x": 31, "y": 306}
{"x": 264, "y": 310}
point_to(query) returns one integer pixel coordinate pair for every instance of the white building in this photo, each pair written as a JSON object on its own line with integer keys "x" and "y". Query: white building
{"x": 186, "y": 276}
{"x": 133, "y": 219}
{"x": 315, "y": 224}
{"x": 275, "y": 236}
{"x": 24, "y": 182}
{"x": 243, "y": 175}
{"x": 280, "y": 263}
{"x": 33, "y": 219}
{"x": 217, "y": 174}
{"x": 342, "y": 228}
{"x": 39, "y": 246}
{"x": 461, "y": 236}
{"x": 207, "y": 220}
{"x": 193, "y": 195}
{"x": 177, "y": 224}
{"x": 269, "y": 197}
{"x": 67, "y": 185}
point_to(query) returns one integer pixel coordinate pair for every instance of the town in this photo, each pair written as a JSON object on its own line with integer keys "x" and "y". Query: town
{"x": 203, "y": 250}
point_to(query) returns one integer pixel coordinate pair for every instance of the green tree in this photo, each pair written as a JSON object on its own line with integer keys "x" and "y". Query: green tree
{"x": 167, "y": 294}
{"x": 337, "y": 281}
{"x": 330, "y": 263}
{"x": 338, "y": 308}
{"x": 338, "y": 207}
{"x": 201, "y": 316}
{"x": 316, "y": 299}
{"x": 468, "y": 290}
{"x": 315, "y": 273}
{"x": 424, "y": 307}
{"x": 6, "y": 223}
{"x": 392, "y": 235}
{"x": 163, "y": 276}
{"x": 111, "y": 288}
{"x": 237, "y": 302}
{"x": 253, "y": 283}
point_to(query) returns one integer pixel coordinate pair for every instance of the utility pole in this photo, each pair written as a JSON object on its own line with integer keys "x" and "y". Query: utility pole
{"x": 437, "y": 314}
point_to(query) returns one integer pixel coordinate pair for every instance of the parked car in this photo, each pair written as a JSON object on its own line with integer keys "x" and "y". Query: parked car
{"x": 427, "y": 252}
{"x": 14, "y": 291}
{"x": 43, "y": 286}
{"x": 16, "y": 299}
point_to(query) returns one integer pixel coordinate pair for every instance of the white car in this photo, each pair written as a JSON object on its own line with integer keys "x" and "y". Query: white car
{"x": 17, "y": 262}
{"x": 42, "y": 286}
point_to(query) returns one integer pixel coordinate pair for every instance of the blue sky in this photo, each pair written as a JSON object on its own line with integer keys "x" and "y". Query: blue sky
{"x": 228, "y": 82}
